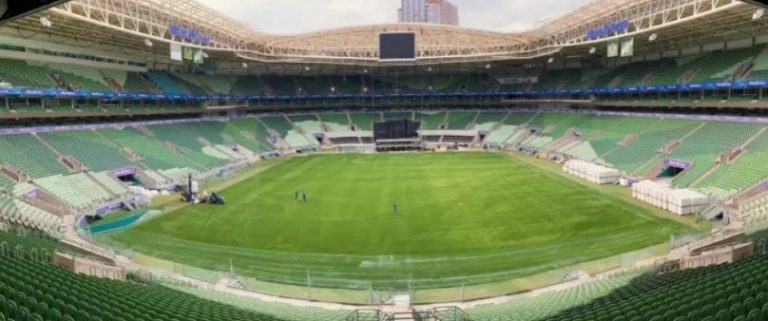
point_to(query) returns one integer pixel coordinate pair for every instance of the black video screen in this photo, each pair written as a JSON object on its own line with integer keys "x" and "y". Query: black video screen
{"x": 401, "y": 45}
{"x": 396, "y": 129}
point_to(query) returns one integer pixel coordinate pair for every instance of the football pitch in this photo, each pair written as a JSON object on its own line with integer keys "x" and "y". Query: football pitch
{"x": 461, "y": 218}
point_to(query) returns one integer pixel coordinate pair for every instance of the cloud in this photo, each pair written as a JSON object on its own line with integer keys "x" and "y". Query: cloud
{"x": 297, "y": 16}
{"x": 511, "y": 15}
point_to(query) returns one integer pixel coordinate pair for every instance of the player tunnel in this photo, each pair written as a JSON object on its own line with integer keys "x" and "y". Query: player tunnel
{"x": 128, "y": 175}
{"x": 673, "y": 167}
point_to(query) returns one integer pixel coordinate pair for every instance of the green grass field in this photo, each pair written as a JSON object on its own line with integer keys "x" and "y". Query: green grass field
{"x": 463, "y": 218}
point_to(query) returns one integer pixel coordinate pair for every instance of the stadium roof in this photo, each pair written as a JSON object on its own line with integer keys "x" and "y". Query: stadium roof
{"x": 128, "y": 23}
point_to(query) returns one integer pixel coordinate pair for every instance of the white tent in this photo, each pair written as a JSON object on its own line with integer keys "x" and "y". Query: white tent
{"x": 592, "y": 172}
{"x": 686, "y": 201}
{"x": 678, "y": 201}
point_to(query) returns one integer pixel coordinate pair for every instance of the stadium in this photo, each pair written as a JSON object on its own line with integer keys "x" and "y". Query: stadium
{"x": 164, "y": 161}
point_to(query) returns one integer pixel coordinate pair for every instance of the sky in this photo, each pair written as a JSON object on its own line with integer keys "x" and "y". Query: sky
{"x": 298, "y": 16}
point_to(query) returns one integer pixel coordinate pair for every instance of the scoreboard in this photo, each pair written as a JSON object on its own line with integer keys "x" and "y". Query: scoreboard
{"x": 397, "y": 46}
{"x": 396, "y": 129}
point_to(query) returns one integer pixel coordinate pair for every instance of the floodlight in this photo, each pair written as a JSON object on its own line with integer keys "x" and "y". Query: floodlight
{"x": 245, "y": 65}
{"x": 592, "y": 50}
{"x": 487, "y": 66}
{"x": 758, "y": 14}
{"x": 653, "y": 37}
{"x": 46, "y": 22}
{"x": 148, "y": 42}
{"x": 550, "y": 60}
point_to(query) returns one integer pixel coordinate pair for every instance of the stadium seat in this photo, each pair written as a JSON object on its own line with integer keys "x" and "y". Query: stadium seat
{"x": 744, "y": 172}
{"x": 501, "y": 134}
{"x": 672, "y": 73}
{"x": 153, "y": 151}
{"x": 317, "y": 85}
{"x": 350, "y": 85}
{"x": 165, "y": 82}
{"x": 32, "y": 289}
{"x": 76, "y": 189}
{"x": 81, "y": 77}
{"x": 280, "y": 85}
{"x": 704, "y": 145}
{"x": 248, "y": 85}
{"x": 559, "y": 79}
{"x": 723, "y": 65}
{"x": 94, "y": 151}
{"x": 647, "y": 143}
{"x": 364, "y": 121}
{"x": 460, "y": 120}
{"x": 255, "y": 129}
{"x": 489, "y": 120}
{"x": 137, "y": 83}
{"x": 288, "y": 132}
{"x": 27, "y": 153}
{"x": 431, "y": 121}
{"x": 336, "y": 121}
{"x": 20, "y": 74}
{"x": 187, "y": 137}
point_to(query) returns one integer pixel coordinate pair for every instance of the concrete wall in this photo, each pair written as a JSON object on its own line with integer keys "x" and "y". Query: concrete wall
{"x": 88, "y": 267}
{"x": 728, "y": 254}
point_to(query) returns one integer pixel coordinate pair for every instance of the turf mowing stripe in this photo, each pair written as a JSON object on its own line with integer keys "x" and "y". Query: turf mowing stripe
{"x": 472, "y": 216}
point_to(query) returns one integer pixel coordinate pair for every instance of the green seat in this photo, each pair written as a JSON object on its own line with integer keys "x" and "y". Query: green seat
{"x": 750, "y": 303}
{"x": 695, "y": 315}
{"x": 737, "y": 309}
{"x": 723, "y": 315}
{"x": 756, "y": 315}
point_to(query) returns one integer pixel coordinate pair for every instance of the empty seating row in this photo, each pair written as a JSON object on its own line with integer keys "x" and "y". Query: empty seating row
{"x": 88, "y": 147}
{"x": 729, "y": 292}
{"x": 431, "y": 121}
{"x": 278, "y": 310}
{"x": 336, "y": 121}
{"x": 704, "y": 146}
{"x": 153, "y": 152}
{"x": 646, "y": 144}
{"x": 76, "y": 189}
{"x": 487, "y": 120}
{"x": 745, "y": 171}
{"x": 18, "y": 212}
{"x": 541, "y": 306}
{"x": 27, "y": 153}
{"x": 364, "y": 121}
{"x": 460, "y": 120}
{"x": 31, "y": 290}
{"x": 186, "y": 137}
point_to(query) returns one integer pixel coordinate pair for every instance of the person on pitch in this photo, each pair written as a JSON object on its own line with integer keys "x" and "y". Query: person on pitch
{"x": 394, "y": 208}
